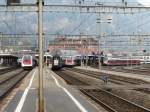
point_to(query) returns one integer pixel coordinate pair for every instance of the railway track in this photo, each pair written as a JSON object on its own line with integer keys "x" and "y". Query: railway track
{"x": 70, "y": 79}
{"x": 143, "y": 90}
{"x": 9, "y": 75}
{"x": 6, "y": 70}
{"x": 7, "y": 84}
{"x": 137, "y": 71}
{"x": 113, "y": 79}
{"x": 141, "y": 71}
{"x": 111, "y": 102}
{"x": 108, "y": 100}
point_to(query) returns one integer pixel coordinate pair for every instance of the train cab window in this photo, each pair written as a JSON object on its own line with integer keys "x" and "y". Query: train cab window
{"x": 27, "y": 58}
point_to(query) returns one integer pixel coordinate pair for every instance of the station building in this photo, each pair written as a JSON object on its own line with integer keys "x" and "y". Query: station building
{"x": 82, "y": 45}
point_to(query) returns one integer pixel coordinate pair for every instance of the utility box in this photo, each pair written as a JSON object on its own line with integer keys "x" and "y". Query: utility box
{"x": 13, "y": 2}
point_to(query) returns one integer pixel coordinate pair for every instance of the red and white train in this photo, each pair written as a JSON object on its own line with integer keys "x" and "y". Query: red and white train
{"x": 143, "y": 59}
{"x": 69, "y": 61}
{"x": 28, "y": 62}
{"x": 120, "y": 61}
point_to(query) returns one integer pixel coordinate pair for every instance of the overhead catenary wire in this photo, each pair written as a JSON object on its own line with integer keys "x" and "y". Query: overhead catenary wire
{"x": 132, "y": 23}
{"x": 81, "y": 25}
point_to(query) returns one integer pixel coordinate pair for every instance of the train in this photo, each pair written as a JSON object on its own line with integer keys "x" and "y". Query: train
{"x": 93, "y": 60}
{"x": 143, "y": 59}
{"x": 70, "y": 61}
{"x": 47, "y": 59}
{"x": 134, "y": 60}
{"x": 120, "y": 61}
{"x": 28, "y": 62}
{"x": 57, "y": 63}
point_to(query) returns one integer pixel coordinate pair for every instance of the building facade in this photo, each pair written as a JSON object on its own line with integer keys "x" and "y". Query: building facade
{"x": 82, "y": 44}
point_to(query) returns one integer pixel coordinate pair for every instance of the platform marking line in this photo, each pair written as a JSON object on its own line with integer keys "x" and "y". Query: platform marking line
{"x": 78, "y": 104}
{"x": 23, "y": 98}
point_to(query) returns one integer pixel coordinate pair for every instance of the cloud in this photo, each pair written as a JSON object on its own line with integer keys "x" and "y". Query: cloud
{"x": 63, "y": 23}
{"x": 144, "y": 2}
{"x": 10, "y": 16}
{"x": 66, "y": 2}
{"x": 26, "y": 15}
{"x": 6, "y": 17}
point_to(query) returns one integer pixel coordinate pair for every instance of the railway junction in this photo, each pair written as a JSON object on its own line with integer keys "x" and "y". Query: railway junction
{"x": 74, "y": 89}
{"x": 110, "y": 73}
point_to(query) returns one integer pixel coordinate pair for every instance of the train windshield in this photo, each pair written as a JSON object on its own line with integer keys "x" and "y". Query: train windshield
{"x": 26, "y": 58}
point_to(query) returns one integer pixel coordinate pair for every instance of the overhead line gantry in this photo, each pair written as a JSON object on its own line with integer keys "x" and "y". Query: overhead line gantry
{"x": 75, "y": 8}
{"x": 71, "y": 35}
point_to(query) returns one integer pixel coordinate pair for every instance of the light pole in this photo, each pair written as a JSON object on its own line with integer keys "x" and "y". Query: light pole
{"x": 99, "y": 26}
{"x": 0, "y": 41}
{"x": 40, "y": 4}
{"x": 87, "y": 48}
{"x": 86, "y": 52}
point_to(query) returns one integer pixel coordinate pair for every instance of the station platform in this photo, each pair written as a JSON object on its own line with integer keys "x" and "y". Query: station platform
{"x": 58, "y": 96}
{"x": 8, "y": 59}
{"x": 128, "y": 75}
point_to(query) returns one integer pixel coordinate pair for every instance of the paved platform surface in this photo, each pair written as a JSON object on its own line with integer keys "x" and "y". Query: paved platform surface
{"x": 58, "y": 96}
{"x": 130, "y": 75}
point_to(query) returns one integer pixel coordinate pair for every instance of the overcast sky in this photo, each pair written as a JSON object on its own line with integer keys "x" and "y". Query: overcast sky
{"x": 75, "y": 23}
{"x": 72, "y": 23}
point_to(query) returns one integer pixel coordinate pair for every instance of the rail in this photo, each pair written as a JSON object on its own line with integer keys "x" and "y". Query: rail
{"x": 5, "y": 70}
{"x": 70, "y": 79}
{"x": 7, "y": 85}
{"x": 112, "y": 102}
{"x": 113, "y": 79}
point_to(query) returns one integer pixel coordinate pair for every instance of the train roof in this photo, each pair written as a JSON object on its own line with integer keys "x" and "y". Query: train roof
{"x": 69, "y": 52}
{"x": 125, "y": 58}
{"x": 44, "y": 55}
{"x": 7, "y": 54}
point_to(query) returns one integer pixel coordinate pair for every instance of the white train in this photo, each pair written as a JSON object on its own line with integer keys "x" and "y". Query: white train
{"x": 71, "y": 61}
{"x": 143, "y": 59}
{"x": 120, "y": 61}
{"x": 28, "y": 62}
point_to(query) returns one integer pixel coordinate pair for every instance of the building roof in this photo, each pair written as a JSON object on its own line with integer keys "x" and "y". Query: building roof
{"x": 8, "y": 54}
